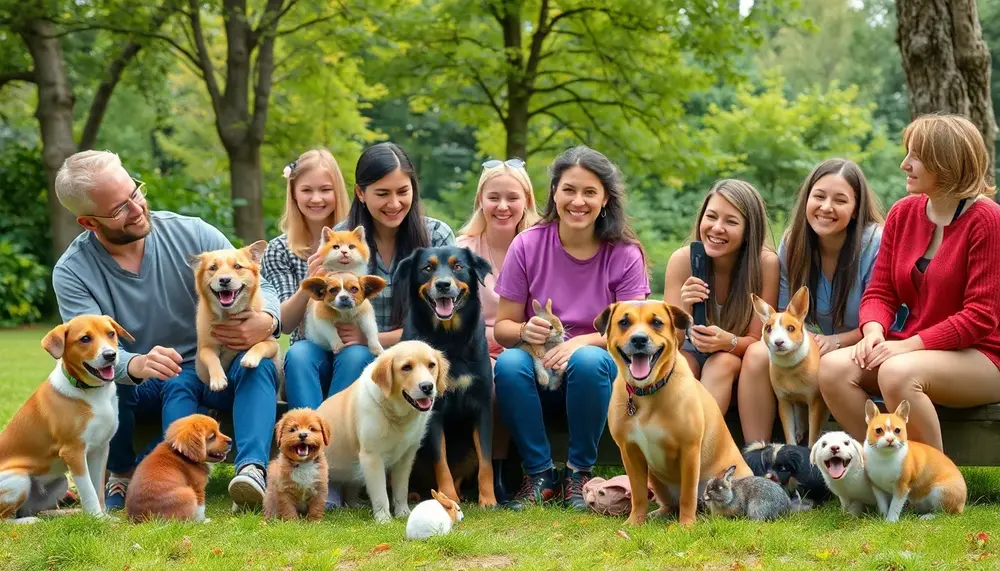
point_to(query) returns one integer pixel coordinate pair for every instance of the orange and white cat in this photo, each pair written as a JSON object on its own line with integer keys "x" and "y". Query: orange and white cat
{"x": 794, "y": 368}
{"x": 903, "y": 470}
{"x": 341, "y": 297}
{"x": 344, "y": 250}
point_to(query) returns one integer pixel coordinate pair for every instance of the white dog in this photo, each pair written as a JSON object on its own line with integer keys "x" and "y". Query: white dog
{"x": 841, "y": 461}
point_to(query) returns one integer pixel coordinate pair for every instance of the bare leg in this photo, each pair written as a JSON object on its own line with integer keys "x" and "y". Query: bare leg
{"x": 845, "y": 388}
{"x": 755, "y": 397}
{"x": 721, "y": 370}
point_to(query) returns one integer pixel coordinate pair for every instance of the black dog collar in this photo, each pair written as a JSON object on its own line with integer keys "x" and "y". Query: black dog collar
{"x": 645, "y": 390}
{"x": 77, "y": 382}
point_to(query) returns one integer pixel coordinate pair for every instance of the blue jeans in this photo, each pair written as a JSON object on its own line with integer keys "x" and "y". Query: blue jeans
{"x": 311, "y": 372}
{"x": 585, "y": 393}
{"x": 251, "y": 396}
{"x": 143, "y": 401}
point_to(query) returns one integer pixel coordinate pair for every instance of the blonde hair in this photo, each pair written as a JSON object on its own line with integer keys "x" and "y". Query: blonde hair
{"x": 292, "y": 222}
{"x": 952, "y": 148}
{"x": 77, "y": 177}
{"x": 476, "y": 224}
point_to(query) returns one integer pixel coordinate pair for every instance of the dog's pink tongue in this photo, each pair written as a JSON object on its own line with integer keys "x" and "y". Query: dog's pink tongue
{"x": 639, "y": 367}
{"x": 424, "y": 403}
{"x": 227, "y": 296}
{"x": 445, "y": 305}
{"x": 302, "y": 449}
{"x": 107, "y": 373}
{"x": 836, "y": 468}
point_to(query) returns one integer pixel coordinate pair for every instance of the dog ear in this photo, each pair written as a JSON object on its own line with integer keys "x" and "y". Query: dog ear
{"x": 359, "y": 233}
{"x": 315, "y": 287}
{"x": 799, "y": 305}
{"x": 325, "y": 430}
{"x": 761, "y": 308}
{"x": 479, "y": 265}
{"x": 401, "y": 277}
{"x": 859, "y": 453}
{"x": 604, "y": 319}
{"x": 195, "y": 260}
{"x": 443, "y": 371}
{"x": 871, "y": 411}
{"x": 382, "y": 374}
{"x": 119, "y": 330}
{"x": 903, "y": 410}
{"x": 55, "y": 341}
{"x": 256, "y": 251}
{"x": 682, "y": 320}
{"x": 188, "y": 439}
{"x": 279, "y": 427}
{"x": 372, "y": 285}
{"x": 815, "y": 451}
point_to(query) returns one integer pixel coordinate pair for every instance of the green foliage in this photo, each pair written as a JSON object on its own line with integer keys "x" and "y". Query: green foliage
{"x": 24, "y": 207}
{"x": 23, "y": 285}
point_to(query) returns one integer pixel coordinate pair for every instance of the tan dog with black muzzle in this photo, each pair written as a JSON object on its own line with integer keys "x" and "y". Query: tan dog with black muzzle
{"x": 667, "y": 426}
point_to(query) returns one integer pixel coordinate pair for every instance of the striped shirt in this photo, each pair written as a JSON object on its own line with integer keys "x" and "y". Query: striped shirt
{"x": 285, "y": 271}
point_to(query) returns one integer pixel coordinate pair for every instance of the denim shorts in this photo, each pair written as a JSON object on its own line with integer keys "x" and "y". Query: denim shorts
{"x": 698, "y": 355}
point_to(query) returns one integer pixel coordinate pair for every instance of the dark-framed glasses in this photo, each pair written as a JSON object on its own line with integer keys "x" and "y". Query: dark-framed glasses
{"x": 512, "y": 163}
{"x": 137, "y": 198}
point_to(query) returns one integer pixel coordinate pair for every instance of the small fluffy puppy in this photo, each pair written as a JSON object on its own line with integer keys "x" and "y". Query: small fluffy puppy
{"x": 341, "y": 297}
{"x": 227, "y": 282}
{"x": 841, "y": 462}
{"x": 170, "y": 482}
{"x": 296, "y": 479}
{"x": 794, "y": 367}
{"x": 433, "y": 517}
{"x": 344, "y": 250}
{"x": 787, "y": 465}
{"x": 905, "y": 470}
{"x": 379, "y": 422}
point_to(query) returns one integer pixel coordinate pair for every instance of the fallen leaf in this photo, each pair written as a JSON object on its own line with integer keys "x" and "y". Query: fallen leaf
{"x": 555, "y": 524}
{"x": 621, "y": 533}
{"x": 983, "y": 536}
{"x": 737, "y": 566}
{"x": 381, "y": 548}
{"x": 866, "y": 547}
{"x": 217, "y": 551}
{"x": 984, "y": 555}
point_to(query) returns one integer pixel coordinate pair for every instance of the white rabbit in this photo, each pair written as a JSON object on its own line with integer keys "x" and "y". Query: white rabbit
{"x": 433, "y": 517}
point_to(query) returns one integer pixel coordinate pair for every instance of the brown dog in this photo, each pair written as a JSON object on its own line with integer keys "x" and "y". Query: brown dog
{"x": 667, "y": 426}
{"x": 228, "y": 283}
{"x": 296, "y": 479}
{"x": 170, "y": 482}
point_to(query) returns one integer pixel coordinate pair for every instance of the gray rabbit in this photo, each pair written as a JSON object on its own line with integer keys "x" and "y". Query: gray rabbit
{"x": 753, "y": 497}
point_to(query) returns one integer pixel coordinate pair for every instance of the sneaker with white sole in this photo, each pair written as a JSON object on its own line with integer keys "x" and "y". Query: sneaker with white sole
{"x": 114, "y": 493}
{"x": 246, "y": 489}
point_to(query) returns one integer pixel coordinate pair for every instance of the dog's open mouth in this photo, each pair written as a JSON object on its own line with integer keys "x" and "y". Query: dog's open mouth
{"x": 303, "y": 450}
{"x": 104, "y": 373}
{"x": 227, "y": 297}
{"x": 444, "y": 307}
{"x": 837, "y": 467}
{"x": 640, "y": 365}
{"x": 217, "y": 455}
{"x": 422, "y": 404}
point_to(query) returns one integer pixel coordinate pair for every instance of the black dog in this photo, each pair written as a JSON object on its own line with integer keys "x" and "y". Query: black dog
{"x": 444, "y": 311}
{"x": 788, "y": 466}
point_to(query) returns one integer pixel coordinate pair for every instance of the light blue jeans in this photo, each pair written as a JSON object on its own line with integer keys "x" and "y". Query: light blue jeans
{"x": 312, "y": 372}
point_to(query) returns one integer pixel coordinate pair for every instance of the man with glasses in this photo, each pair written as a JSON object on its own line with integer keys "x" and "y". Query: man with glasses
{"x": 134, "y": 265}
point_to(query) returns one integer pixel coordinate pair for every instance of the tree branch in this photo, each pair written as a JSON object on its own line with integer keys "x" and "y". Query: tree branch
{"x": 312, "y": 22}
{"x": 265, "y": 73}
{"x": 204, "y": 61}
{"x": 489, "y": 94}
{"x": 17, "y": 75}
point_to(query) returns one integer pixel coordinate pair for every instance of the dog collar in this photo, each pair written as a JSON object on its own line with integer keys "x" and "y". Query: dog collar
{"x": 75, "y": 381}
{"x": 645, "y": 390}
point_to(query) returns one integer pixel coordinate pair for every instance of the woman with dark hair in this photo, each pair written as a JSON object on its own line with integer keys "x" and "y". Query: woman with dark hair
{"x": 830, "y": 246}
{"x": 583, "y": 256}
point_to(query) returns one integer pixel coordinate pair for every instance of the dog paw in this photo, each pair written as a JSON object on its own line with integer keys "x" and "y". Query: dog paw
{"x": 250, "y": 361}
{"x": 635, "y": 520}
{"x": 488, "y": 504}
{"x": 383, "y": 516}
{"x": 218, "y": 384}
{"x": 402, "y": 511}
{"x": 927, "y": 517}
{"x": 337, "y": 348}
{"x": 376, "y": 350}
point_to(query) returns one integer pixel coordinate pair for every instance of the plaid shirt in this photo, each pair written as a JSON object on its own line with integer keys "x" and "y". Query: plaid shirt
{"x": 440, "y": 234}
{"x": 285, "y": 271}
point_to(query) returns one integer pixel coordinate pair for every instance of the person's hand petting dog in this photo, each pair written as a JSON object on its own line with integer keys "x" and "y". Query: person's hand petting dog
{"x": 244, "y": 330}
{"x": 161, "y": 363}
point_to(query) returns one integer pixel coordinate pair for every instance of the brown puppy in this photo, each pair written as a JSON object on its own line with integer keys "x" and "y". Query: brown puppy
{"x": 341, "y": 297}
{"x": 170, "y": 482}
{"x": 296, "y": 479}
{"x": 67, "y": 423}
{"x": 667, "y": 426}
{"x": 228, "y": 282}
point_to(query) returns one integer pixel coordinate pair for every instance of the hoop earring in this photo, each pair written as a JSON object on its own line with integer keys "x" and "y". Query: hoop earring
{"x": 604, "y": 213}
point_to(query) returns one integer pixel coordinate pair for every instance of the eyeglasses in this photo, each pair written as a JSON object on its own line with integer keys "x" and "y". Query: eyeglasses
{"x": 137, "y": 198}
{"x": 512, "y": 163}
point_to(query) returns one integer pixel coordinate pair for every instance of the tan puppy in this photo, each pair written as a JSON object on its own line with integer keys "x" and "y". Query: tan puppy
{"x": 379, "y": 422}
{"x": 170, "y": 482}
{"x": 67, "y": 422}
{"x": 905, "y": 470}
{"x": 296, "y": 479}
{"x": 228, "y": 283}
{"x": 667, "y": 426}
{"x": 341, "y": 297}
{"x": 794, "y": 357}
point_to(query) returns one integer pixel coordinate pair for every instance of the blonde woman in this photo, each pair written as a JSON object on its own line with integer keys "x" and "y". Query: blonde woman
{"x": 505, "y": 205}
{"x": 940, "y": 257}
{"x": 315, "y": 196}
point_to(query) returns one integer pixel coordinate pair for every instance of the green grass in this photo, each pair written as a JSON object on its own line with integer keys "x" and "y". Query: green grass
{"x": 540, "y": 539}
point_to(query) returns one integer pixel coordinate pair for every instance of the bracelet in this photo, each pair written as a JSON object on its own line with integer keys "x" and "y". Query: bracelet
{"x": 736, "y": 341}
{"x": 520, "y": 334}
{"x": 837, "y": 337}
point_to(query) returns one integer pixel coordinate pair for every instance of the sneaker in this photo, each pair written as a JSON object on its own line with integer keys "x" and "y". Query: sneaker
{"x": 574, "y": 490}
{"x": 537, "y": 489}
{"x": 114, "y": 493}
{"x": 246, "y": 489}
{"x": 334, "y": 499}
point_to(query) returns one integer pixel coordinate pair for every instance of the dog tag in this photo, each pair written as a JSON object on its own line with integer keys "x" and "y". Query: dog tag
{"x": 631, "y": 406}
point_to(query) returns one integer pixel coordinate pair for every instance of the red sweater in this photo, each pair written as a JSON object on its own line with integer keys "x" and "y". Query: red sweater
{"x": 955, "y": 303}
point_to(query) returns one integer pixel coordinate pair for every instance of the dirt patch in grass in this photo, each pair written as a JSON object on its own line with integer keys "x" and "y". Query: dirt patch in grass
{"x": 487, "y": 562}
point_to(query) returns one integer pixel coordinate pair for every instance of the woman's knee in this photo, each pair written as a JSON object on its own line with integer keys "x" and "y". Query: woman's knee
{"x": 722, "y": 365}
{"x": 837, "y": 370}
{"x": 897, "y": 376}
{"x": 353, "y": 355}
{"x": 755, "y": 367}
{"x": 513, "y": 366}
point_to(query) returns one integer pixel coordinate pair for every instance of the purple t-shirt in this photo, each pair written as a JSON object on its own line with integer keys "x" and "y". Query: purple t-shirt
{"x": 538, "y": 267}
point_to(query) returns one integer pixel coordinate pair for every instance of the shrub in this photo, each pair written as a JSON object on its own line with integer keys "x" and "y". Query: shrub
{"x": 23, "y": 285}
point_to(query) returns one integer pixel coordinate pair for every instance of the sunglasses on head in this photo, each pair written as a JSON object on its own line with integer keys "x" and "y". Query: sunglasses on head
{"x": 513, "y": 163}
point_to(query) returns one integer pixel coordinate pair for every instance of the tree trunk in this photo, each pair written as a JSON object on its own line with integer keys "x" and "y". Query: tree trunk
{"x": 518, "y": 94}
{"x": 947, "y": 63}
{"x": 244, "y": 175}
{"x": 55, "y": 119}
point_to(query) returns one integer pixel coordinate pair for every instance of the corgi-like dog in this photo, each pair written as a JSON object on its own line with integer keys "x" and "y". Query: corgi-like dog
{"x": 548, "y": 378}
{"x": 227, "y": 282}
{"x": 344, "y": 250}
{"x": 905, "y": 470}
{"x": 794, "y": 364}
{"x": 67, "y": 423}
{"x": 341, "y": 297}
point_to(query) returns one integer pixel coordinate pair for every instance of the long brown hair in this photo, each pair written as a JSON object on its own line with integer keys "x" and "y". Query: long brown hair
{"x": 292, "y": 222}
{"x": 802, "y": 252}
{"x": 747, "y": 274}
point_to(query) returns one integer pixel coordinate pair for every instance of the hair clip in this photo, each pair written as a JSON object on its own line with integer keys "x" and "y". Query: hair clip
{"x": 289, "y": 169}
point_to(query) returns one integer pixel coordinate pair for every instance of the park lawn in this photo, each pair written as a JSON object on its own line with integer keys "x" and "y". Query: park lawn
{"x": 539, "y": 539}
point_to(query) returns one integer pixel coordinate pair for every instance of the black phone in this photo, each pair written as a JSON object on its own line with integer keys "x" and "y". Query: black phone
{"x": 699, "y": 269}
